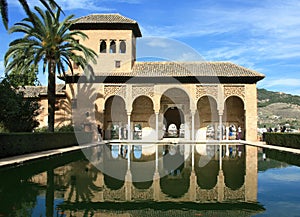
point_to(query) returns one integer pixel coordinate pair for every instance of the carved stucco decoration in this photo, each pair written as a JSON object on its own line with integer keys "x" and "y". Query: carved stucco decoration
{"x": 206, "y": 195}
{"x": 230, "y": 194}
{"x": 110, "y": 90}
{"x": 142, "y": 194}
{"x": 234, "y": 91}
{"x": 114, "y": 195}
{"x": 142, "y": 90}
{"x": 211, "y": 90}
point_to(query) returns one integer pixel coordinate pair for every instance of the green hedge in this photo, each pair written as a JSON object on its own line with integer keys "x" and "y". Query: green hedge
{"x": 291, "y": 140}
{"x": 12, "y": 144}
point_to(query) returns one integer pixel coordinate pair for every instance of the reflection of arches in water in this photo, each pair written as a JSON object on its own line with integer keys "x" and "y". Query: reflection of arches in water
{"x": 137, "y": 151}
{"x": 115, "y": 151}
{"x": 210, "y": 132}
{"x": 173, "y": 158}
{"x": 142, "y": 174}
{"x": 113, "y": 183}
{"x": 234, "y": 172}
{"x": 176, "y": 187}
{"x": 114, "y": 167}
{"x": 176, "y": 183}
{"x": 232, "y": 131}
{"x": 207, "y": 170}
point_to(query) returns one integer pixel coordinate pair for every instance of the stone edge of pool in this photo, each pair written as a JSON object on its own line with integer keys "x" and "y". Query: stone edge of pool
{"x": 20, "y": 159}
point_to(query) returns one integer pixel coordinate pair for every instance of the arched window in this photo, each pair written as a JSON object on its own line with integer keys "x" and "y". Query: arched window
{"x": 122, "y": 46}
{"x": 112, "y": 47}
{"x": 103, "y": 46}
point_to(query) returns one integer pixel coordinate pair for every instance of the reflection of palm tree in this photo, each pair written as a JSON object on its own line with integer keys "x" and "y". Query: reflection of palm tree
{"x": 81, "y": 181}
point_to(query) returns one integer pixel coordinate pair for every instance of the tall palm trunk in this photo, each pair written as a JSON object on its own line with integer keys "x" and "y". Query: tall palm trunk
{"x": 51, "y": 95}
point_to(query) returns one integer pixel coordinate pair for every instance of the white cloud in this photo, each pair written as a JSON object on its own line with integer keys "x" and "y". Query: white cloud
{"x": 166, "y": 49}
{"x": 291, "y": 174}
{"x": 285, "y": 82}
{"x": 87, "y": 5}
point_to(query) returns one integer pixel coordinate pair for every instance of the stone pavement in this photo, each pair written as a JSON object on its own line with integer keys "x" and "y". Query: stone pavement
{"x": 19, "y": 159}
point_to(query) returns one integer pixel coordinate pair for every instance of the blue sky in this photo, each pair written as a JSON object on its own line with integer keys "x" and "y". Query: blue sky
{"x": 263, "y": 35}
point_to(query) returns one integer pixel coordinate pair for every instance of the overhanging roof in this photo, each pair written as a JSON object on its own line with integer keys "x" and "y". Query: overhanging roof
{"x": 107, "y": 22}
{"x": 183, "y": 72}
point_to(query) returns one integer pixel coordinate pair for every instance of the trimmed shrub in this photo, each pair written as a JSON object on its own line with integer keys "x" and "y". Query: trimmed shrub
{"x": 291, "y": 140}
{"x": 21, "y": 143}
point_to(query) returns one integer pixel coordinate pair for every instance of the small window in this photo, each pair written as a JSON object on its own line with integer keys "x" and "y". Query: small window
{"x": 118, "y": 64}
{"x": 112, "y": 46}
{"x": 122, "y": 46}
{"x": 103, "y": 46}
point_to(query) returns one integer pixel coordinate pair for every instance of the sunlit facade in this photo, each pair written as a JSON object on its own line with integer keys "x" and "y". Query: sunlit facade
{"x": 133, "y": 100}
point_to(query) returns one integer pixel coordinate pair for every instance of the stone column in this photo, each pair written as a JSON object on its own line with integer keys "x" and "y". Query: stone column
{"x": 193, "y": 126}
{"x": 128, "y": 177}
{"x": 221, "y": 178}
{"x": 250, "y": 112}
{"x": 251, "y": 174}
{"x": 193, "y": 156}
{"x": 129, "y": 126}
{"x": 156, "y": 186}
{"x": 221, "y": 186}
{"x": 156, "y": 157}
{"x": 220, "y": 126}
{"x": 193, "y": 185}
{"x": 156, "y": 125}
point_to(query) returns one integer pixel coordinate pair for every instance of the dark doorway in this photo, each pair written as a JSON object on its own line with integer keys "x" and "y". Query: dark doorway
{"x": 173, "y": 116}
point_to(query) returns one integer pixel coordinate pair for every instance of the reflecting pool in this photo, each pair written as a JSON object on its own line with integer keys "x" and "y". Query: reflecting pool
{"x": 155, "y": 180}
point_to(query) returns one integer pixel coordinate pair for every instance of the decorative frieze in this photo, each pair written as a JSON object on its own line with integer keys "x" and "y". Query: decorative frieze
{"x": 142, "y": 90}
{"x": 110, "y": 90}
{"x": 204, "y": 195}
{"x": 114, "y": 195}
{"x": 234, "y": 91}
{"x": 142, "y": 194}
{"x": 230, "y": 194}
{"x": 204, "y": 90}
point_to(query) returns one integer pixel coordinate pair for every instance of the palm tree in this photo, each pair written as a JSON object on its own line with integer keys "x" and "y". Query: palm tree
{"x": 4, "y": 9}
{"x": 48, "y": 41}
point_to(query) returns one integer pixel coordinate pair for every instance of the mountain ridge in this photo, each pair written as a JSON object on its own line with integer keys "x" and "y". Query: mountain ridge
{"x": 277, "y": 109}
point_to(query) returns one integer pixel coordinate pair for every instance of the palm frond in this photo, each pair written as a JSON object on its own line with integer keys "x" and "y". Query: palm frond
{"x": 4, "y": 12}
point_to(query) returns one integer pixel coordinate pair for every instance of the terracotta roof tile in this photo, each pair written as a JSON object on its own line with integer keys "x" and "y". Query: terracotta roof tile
{"x": 36, "y": 91}
{"x": 105, "y": 18}
{"x": 185, "y": 69}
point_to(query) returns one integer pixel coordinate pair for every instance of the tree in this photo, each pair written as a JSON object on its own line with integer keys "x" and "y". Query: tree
{"x": 48, "y": 41}
{"x": 16, "y": 114}
{"x": 17, "y": 78}
{"x": 4, "y": 9}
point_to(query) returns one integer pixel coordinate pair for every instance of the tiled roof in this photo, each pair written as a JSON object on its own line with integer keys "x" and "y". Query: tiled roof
{"x": 106, "y": 21}
{"x": 36, "y": 91}
{"x": 186, "y": 69}
{"x": 105, "y": 18}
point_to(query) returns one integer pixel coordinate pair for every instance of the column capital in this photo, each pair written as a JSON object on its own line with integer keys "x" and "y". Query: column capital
{"x": 128, "y": 113}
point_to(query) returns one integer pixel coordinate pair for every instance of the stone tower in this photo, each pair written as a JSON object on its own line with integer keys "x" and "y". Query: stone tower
{"x": 113, "y": 38}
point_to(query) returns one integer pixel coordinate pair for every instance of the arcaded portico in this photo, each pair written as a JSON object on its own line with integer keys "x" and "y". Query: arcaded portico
{"x": 157, "y": 100}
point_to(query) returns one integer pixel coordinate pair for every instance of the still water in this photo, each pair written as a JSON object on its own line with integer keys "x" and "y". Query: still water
{"x": 155, "y": 180}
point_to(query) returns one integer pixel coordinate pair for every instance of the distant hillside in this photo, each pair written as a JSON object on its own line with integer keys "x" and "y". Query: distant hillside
{"x": 266, "y": 98}
{"x": 277, "y": 108}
